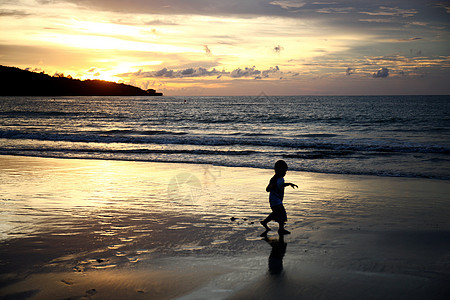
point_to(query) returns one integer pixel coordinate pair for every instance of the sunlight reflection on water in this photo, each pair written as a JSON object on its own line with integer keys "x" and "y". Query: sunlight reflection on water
{"x": 56, "y": 195}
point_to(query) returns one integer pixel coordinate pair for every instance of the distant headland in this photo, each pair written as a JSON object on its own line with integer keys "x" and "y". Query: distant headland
{"x": 18, "y": 82}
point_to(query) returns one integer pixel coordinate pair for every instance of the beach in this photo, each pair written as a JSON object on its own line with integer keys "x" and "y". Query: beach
{"x": 108, "y": 229}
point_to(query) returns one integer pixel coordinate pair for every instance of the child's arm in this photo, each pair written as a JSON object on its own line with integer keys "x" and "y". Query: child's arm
{"x": 291, "y": 184}
{"x": 270, "y": 186}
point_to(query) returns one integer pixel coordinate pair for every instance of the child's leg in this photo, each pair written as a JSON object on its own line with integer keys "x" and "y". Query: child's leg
{"x": 267, "y": 220}
{"x": 281, "y": 218}
{"x": 281, "y": 229}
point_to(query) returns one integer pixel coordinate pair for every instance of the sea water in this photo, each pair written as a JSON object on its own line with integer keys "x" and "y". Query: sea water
{"x": 406, "y": 136}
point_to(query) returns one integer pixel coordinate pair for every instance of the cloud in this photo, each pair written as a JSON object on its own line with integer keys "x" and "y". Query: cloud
{"x": 335, "y": 10}
{"x": 245, "y": 72}
{"x": 164, "y": 73}
{"x": 443, "y": 5}
{"x": 169, "y": 73}
{"x": 157, "y": 22}
{"x": 252, "y": 72}
{"x": 288, "y": 8}
{"x": 392, "y": 11}
{"x": 188, "y": 72}
{"x": 376, "y": 20}
{"x": 381, "y": 73}
{"x": 207, "y": 50}
{"x": 278, "y": 49}
{"x": 388, "y": 59}
{"x": 198, "y": 72}
{"x": 409, "y": 40}
{"x": 266, "y": 73}
{"x": 331, "y": 13}
{"x": 184, "y": 7}
{"x": 12, "y": 13}
{"x": 287, "y": 4}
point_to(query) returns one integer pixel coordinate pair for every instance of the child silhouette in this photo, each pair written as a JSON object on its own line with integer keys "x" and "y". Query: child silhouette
{"x": 276, "y": 189}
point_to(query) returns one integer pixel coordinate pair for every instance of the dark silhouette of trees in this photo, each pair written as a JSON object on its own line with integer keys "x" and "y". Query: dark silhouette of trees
{"x": 17, "y": 82}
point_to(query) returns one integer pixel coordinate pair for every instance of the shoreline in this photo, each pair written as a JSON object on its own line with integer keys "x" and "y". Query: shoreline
{"x": 74, "y": 228}
{"x": 230, "y": 166}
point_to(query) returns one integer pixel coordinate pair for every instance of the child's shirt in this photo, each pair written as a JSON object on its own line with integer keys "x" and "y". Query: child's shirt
{"x": 276, "y": 194}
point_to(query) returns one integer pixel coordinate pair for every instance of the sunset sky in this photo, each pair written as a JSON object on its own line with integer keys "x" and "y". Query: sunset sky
{"x": 236, "y": 47}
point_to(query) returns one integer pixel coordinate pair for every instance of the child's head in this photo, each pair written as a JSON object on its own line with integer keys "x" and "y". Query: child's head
{"x": 280, "y": 168}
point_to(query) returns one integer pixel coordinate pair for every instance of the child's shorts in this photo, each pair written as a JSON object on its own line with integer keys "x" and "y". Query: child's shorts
{"x": 279, "y": 213}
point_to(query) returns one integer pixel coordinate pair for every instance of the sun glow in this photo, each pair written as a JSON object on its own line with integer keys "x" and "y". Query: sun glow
{"x": 110, "y": 73}
{"x": 106, "y": 76}
{"x": 144, "y": 44}
{"x": 110, "y": 43}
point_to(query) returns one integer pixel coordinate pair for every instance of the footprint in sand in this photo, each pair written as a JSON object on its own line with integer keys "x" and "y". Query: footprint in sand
{"x": 88, "y": 294}
{"x": 91, "y": 292}
{"x": 67, "y": 282}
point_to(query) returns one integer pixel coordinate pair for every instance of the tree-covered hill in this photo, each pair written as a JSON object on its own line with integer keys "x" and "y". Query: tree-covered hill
{"x": 17, "y": 82}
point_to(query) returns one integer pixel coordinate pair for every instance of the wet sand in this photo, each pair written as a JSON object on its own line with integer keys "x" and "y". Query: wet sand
{"x": 99, "y": 229}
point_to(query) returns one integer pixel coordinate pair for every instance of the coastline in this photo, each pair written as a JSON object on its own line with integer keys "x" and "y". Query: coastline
{"x": 114, "y": 229}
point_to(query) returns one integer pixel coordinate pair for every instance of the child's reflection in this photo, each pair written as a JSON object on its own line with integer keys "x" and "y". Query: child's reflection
{"x": 276, "y": 255}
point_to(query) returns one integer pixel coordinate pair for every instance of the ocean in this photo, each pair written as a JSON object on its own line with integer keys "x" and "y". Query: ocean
{"x": 404, "y": 136}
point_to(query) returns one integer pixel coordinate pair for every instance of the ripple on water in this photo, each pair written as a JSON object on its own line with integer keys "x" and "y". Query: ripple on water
{"x": 218, "y": 242}
{"x": 133, "y": 259}
{"x": 108, "y": 233}
{"x": 65, "y": 233}
{"x": 120, "y": 227}
{"x": 220, "y": 226}
{"x": 127, "y": 239}
{"x": 253, "y": 238}
{"x": 239, "y": 228}
{"x": 190, "y": 248}
{"x": 105, "y": 216}
{"x": 175, "y": 227}
{"x": 142, "y": 230}
{"x": 114, "y": 247}
{"x": 104, "y": 266}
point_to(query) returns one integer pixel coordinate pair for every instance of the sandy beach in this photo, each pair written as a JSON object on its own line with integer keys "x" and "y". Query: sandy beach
{"x": 104, "y": 229}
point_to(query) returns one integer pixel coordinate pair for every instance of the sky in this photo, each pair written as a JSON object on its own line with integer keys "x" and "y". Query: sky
{"x": 235, "y": 47}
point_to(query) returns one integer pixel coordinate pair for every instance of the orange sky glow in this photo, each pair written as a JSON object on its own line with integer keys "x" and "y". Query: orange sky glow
{"x": 235, "y": 47}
